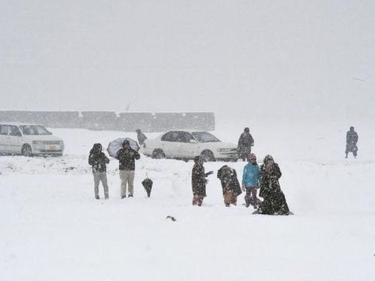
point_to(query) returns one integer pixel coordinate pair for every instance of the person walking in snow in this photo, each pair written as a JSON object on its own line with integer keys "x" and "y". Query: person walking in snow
{"x": 250, "y": 181}
{"x": 230, "y": 185}
{"x": 199, "y": 181}
{"x": 127, "y": 156}
{"x": 141, "y": 137}
{"x": 274, "y": 199}
{"x": 245, "y": 142}
{"x": 351, "y": 142}
{"x": 98, "y": 160}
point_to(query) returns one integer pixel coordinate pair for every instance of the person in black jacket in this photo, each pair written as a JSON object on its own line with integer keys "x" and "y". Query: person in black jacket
{"x": 245, "y": 142}
{"x": 199, "y": 181}
{"x": 127, "y": 156}
{"x": 141, "y": 137}
{"x": 99, "y": 161}
{"x": 274, "y": 199}
{"x": 351, "y": 142}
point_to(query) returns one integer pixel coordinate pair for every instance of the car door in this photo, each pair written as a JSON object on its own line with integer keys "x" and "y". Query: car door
{"x": 169, "y": 143}
{"x": 186, "y": 146}
{"x": 15, "y": 139}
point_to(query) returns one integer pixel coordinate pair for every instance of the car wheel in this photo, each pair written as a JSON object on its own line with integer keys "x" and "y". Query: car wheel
{"x": 207, "y": 155}
{"x": 26, "y": 150}
{"x": 158, "y": 154}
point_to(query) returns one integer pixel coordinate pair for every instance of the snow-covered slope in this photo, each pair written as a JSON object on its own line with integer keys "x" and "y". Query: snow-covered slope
{"x": 52, "y": 228}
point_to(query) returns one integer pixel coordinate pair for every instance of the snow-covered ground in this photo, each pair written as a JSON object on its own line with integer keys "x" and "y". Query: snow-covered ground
{"x": 52, "y": 228}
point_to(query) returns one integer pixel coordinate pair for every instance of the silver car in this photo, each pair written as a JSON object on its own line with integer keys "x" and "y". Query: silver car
{"x": 182, "y": 144}
{"x": 28, "y": 139}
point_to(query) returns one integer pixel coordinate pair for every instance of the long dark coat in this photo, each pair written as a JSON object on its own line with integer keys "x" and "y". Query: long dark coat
{"x": 274, "y": 199}
{"x": 351, "y": 142}
{"x": 198, "y": 180}
{"x": 245, "y": 142}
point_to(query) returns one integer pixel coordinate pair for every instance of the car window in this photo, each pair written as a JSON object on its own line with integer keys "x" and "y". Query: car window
{"x": 205, "y": 137}
{"x": 34, "y": 130}
{"x": 14, "y": 131}
{"x": 4, "y": 129}
{"x": 167, "y": 137}
{"x": 186, "y": 137}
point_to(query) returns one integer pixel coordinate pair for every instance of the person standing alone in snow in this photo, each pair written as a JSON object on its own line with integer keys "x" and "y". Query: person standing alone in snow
{"x": 250, "y": 181}
{"x": 99, "y": 161}
{"x": 199, "y": 181}
{"x": 351, "y": 142}
{"x": 127, "y": 156}
{"x": 245, "y": 143}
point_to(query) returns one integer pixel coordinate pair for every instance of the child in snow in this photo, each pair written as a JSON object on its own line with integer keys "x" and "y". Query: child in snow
{"x": 99, "y": 161}
{"x": 250, "y": 181}
{"x": 199, "y": 181}
{"x": 230, "y": 185}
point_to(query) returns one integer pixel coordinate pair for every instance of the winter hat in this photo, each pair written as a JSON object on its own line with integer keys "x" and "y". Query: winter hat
{"x": 197, "y": 159}
{"x": 247, "y": 130}
{"x": 267, "y": 159}
{"x": 97, "y": 147}
{"x": 126, "y": 142}
{"x": 251, "y": 157}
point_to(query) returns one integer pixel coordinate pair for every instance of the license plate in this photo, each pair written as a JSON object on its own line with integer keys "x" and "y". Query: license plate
{"x": 52, "y": 147}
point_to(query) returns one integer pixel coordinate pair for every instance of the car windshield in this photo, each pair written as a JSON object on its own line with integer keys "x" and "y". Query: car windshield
{"x": 205, "y": 137}
{"x": 34, "y": 130}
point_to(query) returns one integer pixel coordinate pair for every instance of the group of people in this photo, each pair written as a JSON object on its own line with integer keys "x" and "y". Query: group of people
{"x": 265, "y": 178}
{"x": 126, "y": 157}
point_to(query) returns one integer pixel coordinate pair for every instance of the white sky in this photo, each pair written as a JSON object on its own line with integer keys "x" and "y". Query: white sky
{"x": 243, "y": 58}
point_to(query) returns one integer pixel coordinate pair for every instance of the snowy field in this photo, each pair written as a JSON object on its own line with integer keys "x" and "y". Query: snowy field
{"x": 52, "y": 228}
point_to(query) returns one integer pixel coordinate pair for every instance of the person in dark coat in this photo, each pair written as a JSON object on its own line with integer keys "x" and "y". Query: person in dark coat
{"x": 98, "y": 160}
{"x": 230, "y": 185}
{"x": 351, "y": 142}
{"x": 141, "y": 137}
{"x": 127, "y": 156}
{"x": 199, "y": 181}
{"x": 245, "y": 142}
{"x": 274, "y": 199}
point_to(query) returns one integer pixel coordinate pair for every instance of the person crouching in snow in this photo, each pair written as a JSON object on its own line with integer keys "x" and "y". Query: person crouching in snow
{"x": 199, "y": 181}
{"x": 99, "y": 161}
{"x": 230, "y": 185}
{"x": 274, "y": 199}
{"x": 250, "y": 181}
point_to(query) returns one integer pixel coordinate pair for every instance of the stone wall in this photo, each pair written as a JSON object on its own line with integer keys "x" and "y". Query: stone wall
{"x": 107, "y": 120}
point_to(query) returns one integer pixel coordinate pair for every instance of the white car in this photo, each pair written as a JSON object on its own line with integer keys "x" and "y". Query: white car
{"x": 188, "y": 144}
{"x": 28, "y": 139}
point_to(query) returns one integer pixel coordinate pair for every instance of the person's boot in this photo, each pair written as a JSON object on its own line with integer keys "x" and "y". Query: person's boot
{"x": 247, "y": 201}
{"x": 97, "y": 197}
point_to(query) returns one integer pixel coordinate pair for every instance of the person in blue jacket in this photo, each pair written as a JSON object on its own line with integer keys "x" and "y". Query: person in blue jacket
{"x": 250, "y": 181}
